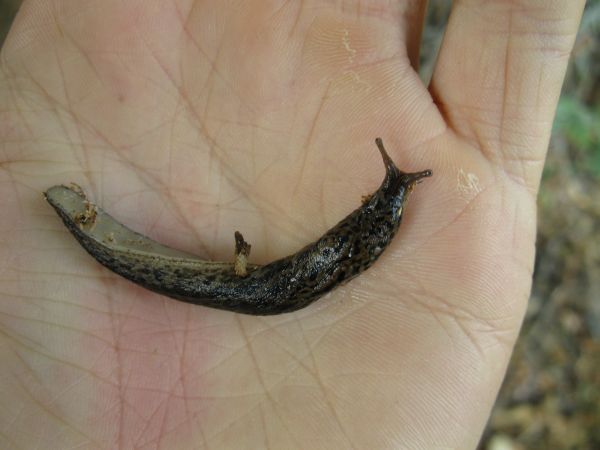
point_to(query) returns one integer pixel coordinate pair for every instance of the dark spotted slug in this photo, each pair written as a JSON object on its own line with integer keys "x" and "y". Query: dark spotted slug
{"x": 282, "y": 286}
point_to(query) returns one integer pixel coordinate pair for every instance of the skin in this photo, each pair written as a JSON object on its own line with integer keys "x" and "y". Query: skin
{"x": 184, "y": 122}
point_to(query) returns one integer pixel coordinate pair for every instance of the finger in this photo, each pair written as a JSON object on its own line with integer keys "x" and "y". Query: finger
{"x": 499, "y": 75}
{"x": 412, "y": 21}
{"x": 407, "y": 18}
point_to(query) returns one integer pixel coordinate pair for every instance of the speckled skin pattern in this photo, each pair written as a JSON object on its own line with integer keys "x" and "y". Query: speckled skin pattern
{"x": 282, "y": 286}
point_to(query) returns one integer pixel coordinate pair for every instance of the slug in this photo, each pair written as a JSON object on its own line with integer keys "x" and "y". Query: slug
{"x": 284, "y": 285}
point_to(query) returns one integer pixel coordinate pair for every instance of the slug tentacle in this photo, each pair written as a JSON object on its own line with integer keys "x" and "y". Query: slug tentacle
{"x": 284, "y": 285}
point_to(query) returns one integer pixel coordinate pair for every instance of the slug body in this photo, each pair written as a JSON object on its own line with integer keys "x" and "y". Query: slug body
{"x": 282, "y": 286}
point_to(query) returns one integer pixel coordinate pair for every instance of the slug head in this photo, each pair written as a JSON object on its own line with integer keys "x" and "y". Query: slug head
{"x": 382, "y": 213}
{"x": 397, "y": 185}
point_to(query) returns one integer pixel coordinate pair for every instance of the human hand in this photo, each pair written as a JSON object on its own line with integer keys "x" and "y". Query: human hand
{"x": 189, "y": 120}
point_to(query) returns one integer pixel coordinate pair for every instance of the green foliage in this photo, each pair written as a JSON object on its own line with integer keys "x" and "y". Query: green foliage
{"x": 580, "y": 125}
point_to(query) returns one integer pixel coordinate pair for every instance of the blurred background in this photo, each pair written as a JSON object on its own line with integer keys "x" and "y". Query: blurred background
{"x": 551, "y": 395}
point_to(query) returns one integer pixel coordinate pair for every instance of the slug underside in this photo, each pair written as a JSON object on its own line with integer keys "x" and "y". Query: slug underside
{"x": 284, "y": 285}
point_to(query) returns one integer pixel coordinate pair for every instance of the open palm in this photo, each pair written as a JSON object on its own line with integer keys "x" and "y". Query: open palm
{"x": 188, "y": 120}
